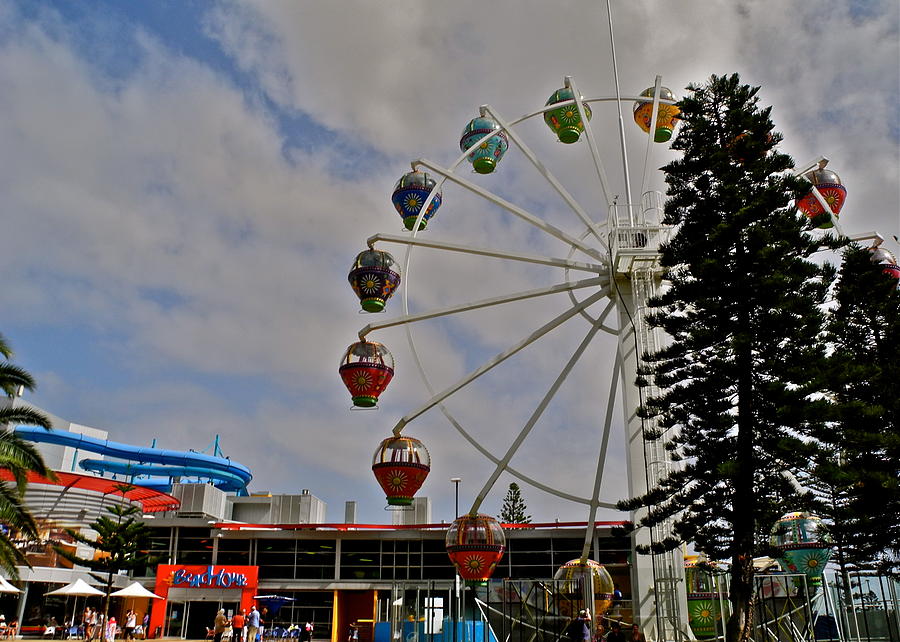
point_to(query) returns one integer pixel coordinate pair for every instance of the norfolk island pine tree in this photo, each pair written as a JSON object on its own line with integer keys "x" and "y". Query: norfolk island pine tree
{"x": 743, "y": 309}
{"x": 123, "y": 541}
{"x": 513, "y": 509}
{"x": 858, "y": 467}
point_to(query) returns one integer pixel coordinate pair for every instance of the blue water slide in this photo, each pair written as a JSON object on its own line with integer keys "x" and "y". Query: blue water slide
{"x": 224, "y": 480}
{"x": 227, "y": 474}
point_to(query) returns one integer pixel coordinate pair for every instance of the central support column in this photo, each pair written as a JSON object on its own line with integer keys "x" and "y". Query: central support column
{"x": 658, "y": 592}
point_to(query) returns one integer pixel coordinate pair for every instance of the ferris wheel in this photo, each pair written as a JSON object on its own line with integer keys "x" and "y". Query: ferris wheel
{"x": 605, "y": 266}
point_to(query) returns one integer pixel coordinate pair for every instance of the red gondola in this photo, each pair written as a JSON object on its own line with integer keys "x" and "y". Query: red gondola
{"x": 828, "y": 184}
{"x": 887, "y": 261}
{"x": 367, "y": 369}
{"x": 401, "y": 465}
{"x": 475, "y": 544}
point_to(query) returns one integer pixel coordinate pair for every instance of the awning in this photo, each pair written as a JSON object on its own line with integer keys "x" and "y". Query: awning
{"x": 153, "y": 501}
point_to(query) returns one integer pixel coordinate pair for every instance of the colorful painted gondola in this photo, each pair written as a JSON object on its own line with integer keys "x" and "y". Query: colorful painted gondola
{"x": 566, "y": 121}
{"x": 409, "y": 196}
{"x": 475, "y": 544}
{"x": 401, "y": 465}
{"x": 366, "y": 369}
{"x": 487, "y": 154}
{"x": 374, "y": 277}
{"x": 666, "y": 115}
{"x": 829, "y": 186}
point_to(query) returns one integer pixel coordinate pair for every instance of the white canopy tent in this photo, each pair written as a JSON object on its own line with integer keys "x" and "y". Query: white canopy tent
{"x": 6, "y": 587}
{"x": 135, "y": 589}
{"x": 78, "y": 588}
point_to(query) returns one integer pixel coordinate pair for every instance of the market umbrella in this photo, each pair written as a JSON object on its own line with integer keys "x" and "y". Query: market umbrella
{"x": 272, "y": 602}
{"x": 135, "y": 589}
{"x": 6, "y": 587}
{"x": 78, "y": 588}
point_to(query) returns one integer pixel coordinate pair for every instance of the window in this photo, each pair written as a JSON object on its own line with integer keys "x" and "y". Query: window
{"x": 235, "y": 552}
{"x": 193, "y": 546}
{"x": 276, "y": 558}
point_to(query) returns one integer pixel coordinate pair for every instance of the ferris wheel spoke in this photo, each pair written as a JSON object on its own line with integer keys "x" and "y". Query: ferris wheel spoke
{"x": 552, "y": 230}
{"x": 530, "y": 155}
{"x": 522, "y": 477}
{"x": 601, "y": 458}
{"x": 541, "y": 407}
{"x": 485, "y": 251}
{"x": 567, "y": 286}
{"x": 592, "y": 145}
{"x": 500, "y": 358}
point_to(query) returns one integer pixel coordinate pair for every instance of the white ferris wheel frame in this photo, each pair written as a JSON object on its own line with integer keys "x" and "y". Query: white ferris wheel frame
{"x": 601, "y": 268}
{"x": 664, "y": 599}
{"x": 652, "y": 597}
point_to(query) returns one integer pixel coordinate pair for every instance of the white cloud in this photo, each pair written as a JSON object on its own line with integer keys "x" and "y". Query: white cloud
{"x": 172, "y": 212}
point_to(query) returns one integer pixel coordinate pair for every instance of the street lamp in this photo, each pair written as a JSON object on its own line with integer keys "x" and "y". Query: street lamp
{"x": 456, "y": 481}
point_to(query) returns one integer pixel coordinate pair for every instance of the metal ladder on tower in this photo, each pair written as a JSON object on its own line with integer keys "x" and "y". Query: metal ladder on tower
{"x": 635, "y": 238}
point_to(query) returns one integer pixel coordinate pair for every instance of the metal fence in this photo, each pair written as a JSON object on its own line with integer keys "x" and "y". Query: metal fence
{"x": 860, "y": 608}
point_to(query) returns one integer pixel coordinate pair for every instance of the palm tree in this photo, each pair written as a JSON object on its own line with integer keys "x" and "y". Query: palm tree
{"x": 19, "y": 458}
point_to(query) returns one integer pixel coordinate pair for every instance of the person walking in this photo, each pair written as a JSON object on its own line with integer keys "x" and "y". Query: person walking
{"x": 307, "y": 632}
{"x": 130, "y": 623}
{"x": 252, "y": 624}
{"x": 265, "y": 622}
{"x": 237, "y": 626}
{"x": 579, "y": 629}
{"x": 91, "y": 628}
{"x": 219, "y": 625}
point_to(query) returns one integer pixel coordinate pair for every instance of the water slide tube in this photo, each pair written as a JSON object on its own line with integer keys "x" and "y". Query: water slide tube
{"x": 227, "y": 475}
{"x": 224, "y": 480}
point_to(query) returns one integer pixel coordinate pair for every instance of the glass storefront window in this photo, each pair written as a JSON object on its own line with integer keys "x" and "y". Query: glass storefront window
{"x": 234, "y": 552}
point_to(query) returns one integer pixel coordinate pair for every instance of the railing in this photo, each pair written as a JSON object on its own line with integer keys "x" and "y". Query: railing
{"x": 787, "y": 609}
{"x": 636, "y": 234}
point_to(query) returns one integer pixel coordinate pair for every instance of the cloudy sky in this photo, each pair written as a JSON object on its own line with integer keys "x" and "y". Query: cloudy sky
{"x": 184, "y": 185}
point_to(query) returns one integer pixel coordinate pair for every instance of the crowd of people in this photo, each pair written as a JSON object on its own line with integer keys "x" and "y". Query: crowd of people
{"x": 93, "y": 627}
{"x": 252, "y": 626}
{"x": 90, "y": 628}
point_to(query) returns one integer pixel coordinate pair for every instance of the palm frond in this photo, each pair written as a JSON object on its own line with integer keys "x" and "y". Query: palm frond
{"x": 20, "y": 457}
{"x": 24, "y": 416}
{"x": 10, "y": 557}
{"x": 13, "y": 376}
{"x": 13, "y": 512}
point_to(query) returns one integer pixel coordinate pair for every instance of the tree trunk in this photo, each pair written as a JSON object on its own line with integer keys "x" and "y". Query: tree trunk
{"x": 742, "y": 598}
{"x": 744, "y": 506}
{"x": 105, "y": 620}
